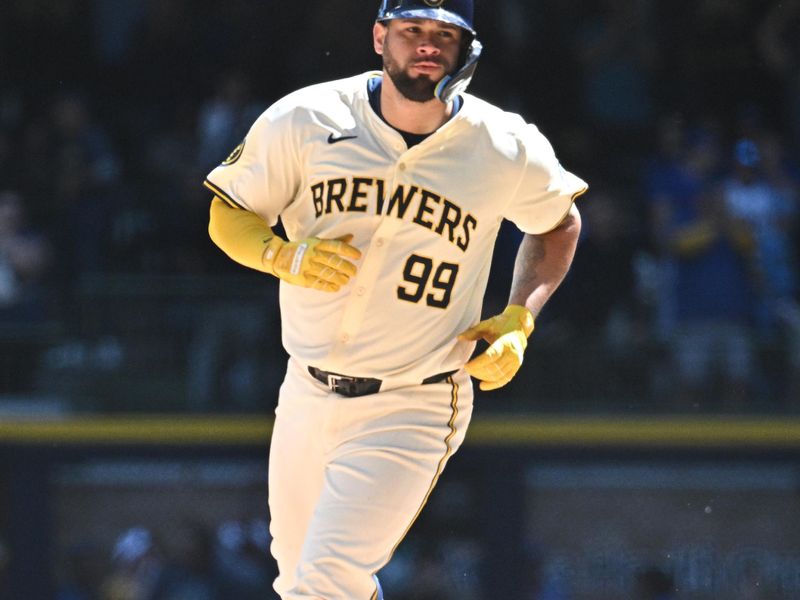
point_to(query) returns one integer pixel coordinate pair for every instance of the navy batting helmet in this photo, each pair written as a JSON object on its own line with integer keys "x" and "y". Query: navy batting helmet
{"x": 456, "y": 12}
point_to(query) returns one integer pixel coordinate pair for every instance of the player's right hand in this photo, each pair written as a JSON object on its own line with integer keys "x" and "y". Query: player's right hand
{"x": 315, "y": 263}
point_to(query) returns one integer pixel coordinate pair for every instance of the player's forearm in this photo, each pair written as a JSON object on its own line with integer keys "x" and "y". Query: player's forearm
{"x": 241, "y": 234}
{"x": 320, "y": 264}
{"x": 542, "y": 263}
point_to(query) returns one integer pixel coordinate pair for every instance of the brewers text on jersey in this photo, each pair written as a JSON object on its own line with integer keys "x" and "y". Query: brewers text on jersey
{"x": 365, "y": 194}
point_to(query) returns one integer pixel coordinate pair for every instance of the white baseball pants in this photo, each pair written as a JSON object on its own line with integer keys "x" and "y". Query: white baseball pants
{"x": 348, "y": 477}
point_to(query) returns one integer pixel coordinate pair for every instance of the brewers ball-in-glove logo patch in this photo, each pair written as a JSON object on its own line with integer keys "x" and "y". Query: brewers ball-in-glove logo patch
{"x": 434, "y": 3}
{"x": 234, "y": 156}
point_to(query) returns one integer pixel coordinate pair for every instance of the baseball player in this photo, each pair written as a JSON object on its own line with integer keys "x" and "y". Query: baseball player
{"x": 391, "y": 186}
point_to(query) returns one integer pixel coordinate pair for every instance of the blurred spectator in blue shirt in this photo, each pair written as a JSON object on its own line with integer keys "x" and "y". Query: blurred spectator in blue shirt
{"x": 662, "y": 175}
{"x": 770, "y": 213}
{"x": 143, "y": 571}
{"x": 784, "y": 175}
{"x": 763, "y": 194}
{"x": 712, "y": 287}
{"x": 242, "y": 561}
{"x": 138, "y": 565}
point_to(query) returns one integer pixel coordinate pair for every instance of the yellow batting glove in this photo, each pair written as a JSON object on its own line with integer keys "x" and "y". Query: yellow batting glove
{"x": 507, "y": 334}
{"x": 313, "y": 262}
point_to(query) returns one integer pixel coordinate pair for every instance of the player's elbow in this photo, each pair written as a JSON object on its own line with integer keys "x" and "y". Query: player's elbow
{"x": 563, "y": 240}
{"x": 574, "y": 219}
{"x": 570, "y": 227}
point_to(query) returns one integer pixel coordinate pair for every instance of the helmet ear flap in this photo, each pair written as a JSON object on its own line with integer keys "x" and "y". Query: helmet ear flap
{"x": 452, "y": 85}
{"x": 466, "y": 47}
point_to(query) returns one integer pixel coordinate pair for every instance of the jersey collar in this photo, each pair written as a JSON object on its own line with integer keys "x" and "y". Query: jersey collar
{"x": 374, "y": 83}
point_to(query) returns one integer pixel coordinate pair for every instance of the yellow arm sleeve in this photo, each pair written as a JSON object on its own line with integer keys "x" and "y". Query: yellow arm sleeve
{"x": 243, "y": 236}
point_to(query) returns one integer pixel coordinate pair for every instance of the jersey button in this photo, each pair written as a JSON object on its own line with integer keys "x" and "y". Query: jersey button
{"x": 379, "y": 242}
{"x": 345, "y": 338}
{"x": 360, "y": 291}
{"x": 402, "y": 166}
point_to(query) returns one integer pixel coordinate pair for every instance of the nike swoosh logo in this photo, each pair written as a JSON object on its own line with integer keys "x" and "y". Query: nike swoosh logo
{"x": 333, "y": 140}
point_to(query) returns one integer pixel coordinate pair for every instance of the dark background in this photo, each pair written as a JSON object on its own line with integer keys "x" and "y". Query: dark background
{"x": 112, "y": 112}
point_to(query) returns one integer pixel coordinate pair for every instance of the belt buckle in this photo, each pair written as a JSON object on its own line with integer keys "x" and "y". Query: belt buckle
{"x": 335, "y": 384}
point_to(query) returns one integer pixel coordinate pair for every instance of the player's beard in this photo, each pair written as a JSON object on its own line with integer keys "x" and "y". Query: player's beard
{"x": 417, "y": 89}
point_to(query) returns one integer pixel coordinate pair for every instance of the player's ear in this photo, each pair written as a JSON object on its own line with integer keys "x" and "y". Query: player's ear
{"x": 378, "y": 35}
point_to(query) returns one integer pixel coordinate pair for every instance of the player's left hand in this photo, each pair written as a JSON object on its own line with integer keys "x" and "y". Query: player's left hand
{"x": 507, "y": 334}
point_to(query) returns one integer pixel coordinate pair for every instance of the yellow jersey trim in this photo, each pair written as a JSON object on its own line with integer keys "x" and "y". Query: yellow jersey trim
{"x": 216, "y": 190}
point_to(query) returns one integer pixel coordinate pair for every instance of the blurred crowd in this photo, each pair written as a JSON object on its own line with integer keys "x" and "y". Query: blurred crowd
{"x": 446, "y": 557}
{"x": 197, "y": 562}
{"x": 684, "y": 116}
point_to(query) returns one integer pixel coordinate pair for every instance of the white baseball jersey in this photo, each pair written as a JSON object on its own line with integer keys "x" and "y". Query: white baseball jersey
{"x": 425, "y": 219}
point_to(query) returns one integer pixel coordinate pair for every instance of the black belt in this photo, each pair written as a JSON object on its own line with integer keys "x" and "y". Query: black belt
{"x": 360, "y": 386}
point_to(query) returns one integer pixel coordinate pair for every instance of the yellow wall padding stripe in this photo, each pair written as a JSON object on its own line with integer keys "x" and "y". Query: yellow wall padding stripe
{"x": 485, "y": 430}
{"x": 148, "y": 430}
{"x": 667, "y": 431}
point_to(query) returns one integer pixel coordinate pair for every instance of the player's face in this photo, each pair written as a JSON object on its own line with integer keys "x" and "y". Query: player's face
{"x": 417, "y": 53}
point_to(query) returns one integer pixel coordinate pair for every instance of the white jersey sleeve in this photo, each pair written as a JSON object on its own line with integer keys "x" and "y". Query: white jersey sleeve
{"x": 263, "y": 173}
{"x": 546, "y": 190}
